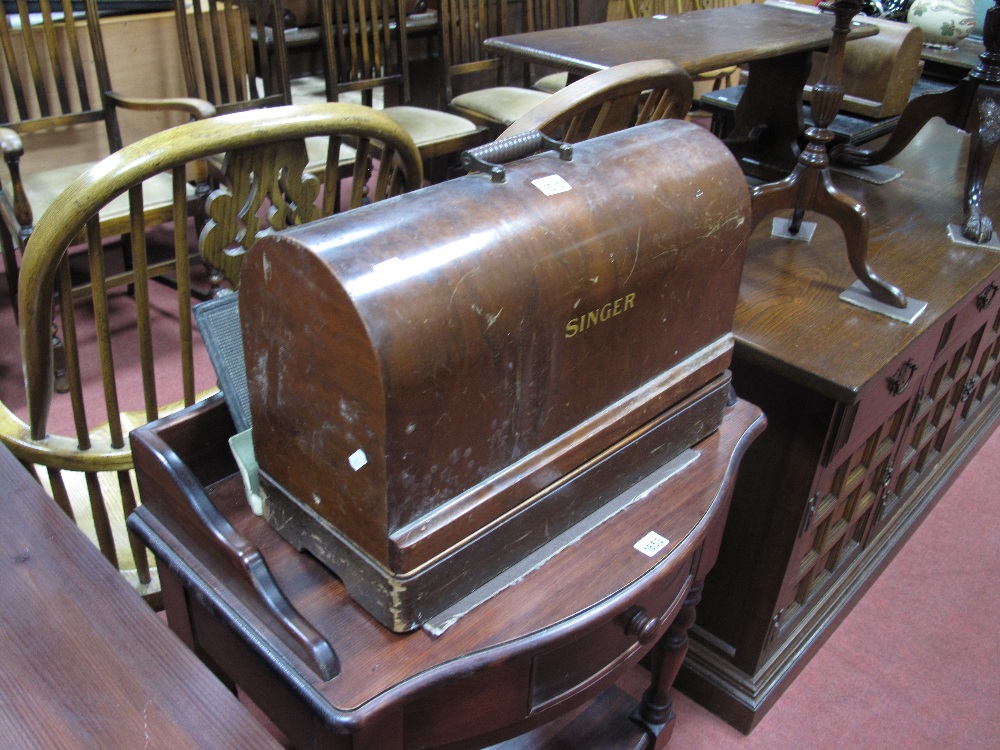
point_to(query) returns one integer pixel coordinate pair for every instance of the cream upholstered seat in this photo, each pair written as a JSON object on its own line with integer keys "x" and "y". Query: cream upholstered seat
{"x": 86, "y": 463}
{"x": 552, "y": 82}
{"x": 465, "y": 24}
{"x": 501, "y": 104}
{"x": 365, "y": 49}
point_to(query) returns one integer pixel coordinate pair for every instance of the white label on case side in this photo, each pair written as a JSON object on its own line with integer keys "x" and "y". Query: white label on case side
{"x": 357, "y": 459}
{"x": 552, "y": 185}
{"x": 650, "y": 544}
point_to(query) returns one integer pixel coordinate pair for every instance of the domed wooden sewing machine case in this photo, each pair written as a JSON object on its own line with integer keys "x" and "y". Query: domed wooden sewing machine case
{"x": 442, "y": 382}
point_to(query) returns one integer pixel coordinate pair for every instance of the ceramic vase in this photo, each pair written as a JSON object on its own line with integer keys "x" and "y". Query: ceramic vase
{"x": 944, "y": 22}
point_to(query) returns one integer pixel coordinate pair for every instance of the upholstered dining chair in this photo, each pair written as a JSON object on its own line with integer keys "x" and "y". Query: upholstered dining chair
{"x": 465, "y": 24}
{"x": 365, "y": 48}
{"x": 55, "y": 82}
{"x": 613, "y": 99}
{"x": 77, "y": 442}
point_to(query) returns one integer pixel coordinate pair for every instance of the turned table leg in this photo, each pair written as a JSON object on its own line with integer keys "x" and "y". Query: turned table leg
{"x": 977, "y": 226}
{"x": 655, "y": 714}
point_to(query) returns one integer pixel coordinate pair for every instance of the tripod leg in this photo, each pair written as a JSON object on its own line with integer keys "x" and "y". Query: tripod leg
{"x": 852, "y": 218}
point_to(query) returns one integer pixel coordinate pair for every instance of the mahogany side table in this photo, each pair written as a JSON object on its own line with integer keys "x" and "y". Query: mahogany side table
{"x": 276, "y": 623}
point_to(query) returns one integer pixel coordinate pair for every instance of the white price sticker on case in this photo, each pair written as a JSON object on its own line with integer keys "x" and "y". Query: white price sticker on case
{"x": 650, "y": 544}
{"x": 552, "y": 185}
{"x": 357, "y": 459}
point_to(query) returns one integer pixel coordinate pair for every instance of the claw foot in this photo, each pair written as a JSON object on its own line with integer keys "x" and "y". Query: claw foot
{"x": 978, "y": 228}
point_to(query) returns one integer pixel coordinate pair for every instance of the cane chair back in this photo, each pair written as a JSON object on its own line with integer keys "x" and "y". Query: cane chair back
{"x": 465, "y": 24}
{"x": 619, "y": 97}
{"x": 365, "y": 47}
{"x": 128, "y": 352}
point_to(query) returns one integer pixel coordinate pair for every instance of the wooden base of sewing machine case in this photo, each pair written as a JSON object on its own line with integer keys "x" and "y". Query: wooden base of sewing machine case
{"x": 403, "y": 602}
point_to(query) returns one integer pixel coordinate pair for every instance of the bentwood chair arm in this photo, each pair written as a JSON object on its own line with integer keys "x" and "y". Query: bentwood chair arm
{"x": 607, "y": 88}
{"x": 61, "y": 451}
{"x": 196, "y": 109}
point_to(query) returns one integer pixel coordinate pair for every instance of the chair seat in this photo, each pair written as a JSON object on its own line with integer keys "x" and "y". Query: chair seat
{"x": 308, "y": 90}
{"x": 312, "y": 90}
{"x": 75, "y": 483}
{"x": 42, "y": 188}
{"x": 316, "y": 152}
{"x": 551, "y": 83}
{"x": 424, "y": 125}
{"x": 427, "y": 126}
{"x": 503, "y": 104}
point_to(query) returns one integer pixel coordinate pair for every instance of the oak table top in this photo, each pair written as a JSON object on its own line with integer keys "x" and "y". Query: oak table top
{"x": 83, "y": 660}
{"x": 789, "y": 317}
{"x": 700, "y": 41}
{"x": 775, "y": 43}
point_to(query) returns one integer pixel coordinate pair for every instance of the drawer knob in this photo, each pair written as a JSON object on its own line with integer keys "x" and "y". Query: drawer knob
{"x": 642, "y": 626}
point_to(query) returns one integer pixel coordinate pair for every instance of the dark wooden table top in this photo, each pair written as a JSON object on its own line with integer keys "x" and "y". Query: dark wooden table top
{"x": 964, "y": 57}
{"x": 789, "y": 318}
{"x": 701, "y": 41}
{"x": 83, "y": 660}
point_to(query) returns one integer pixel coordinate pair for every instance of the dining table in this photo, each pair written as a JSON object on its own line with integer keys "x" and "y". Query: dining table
{"x": 84, "y": 661}
{"x": 775, "y": 44}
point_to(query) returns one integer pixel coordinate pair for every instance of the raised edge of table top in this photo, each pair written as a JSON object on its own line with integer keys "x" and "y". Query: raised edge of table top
{"x": 375, "y": 660}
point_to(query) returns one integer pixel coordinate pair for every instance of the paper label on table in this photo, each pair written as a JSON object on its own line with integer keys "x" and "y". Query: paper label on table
{"x": 552, "y": 185}
{"x": 650, "y": 544}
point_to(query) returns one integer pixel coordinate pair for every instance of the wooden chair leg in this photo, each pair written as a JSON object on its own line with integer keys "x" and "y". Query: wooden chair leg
{"x": 10, "y": 267}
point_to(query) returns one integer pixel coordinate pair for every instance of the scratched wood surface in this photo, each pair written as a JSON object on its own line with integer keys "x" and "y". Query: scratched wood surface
{"x": 750, "y": 32}
{"x": 84, "y": 661}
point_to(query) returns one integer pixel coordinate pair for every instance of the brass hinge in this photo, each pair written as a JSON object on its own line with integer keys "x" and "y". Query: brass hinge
{"x": 887, "y": 475}
{"x": 775, "y": 627}
{"x": 897, "y": 383}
